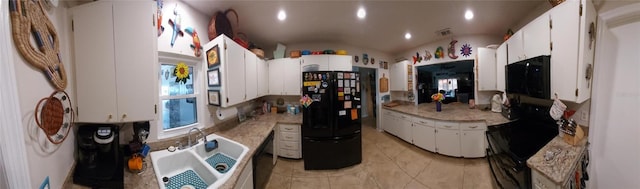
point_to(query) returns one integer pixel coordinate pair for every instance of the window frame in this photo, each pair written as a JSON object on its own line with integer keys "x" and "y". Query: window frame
{"x": 198, "y": 93}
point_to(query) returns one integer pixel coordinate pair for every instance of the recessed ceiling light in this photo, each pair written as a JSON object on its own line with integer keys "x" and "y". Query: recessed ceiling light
{"x": 468, "y": 15}
{"x": 407, "y": 35}
{"x": 362, "y": 13}
{"x": 282, "y": 15}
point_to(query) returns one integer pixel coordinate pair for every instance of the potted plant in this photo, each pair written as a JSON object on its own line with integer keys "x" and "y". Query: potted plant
{"x": 438, "y": 97}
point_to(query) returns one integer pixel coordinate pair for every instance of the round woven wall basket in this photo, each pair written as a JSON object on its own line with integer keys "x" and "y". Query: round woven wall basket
{"x": 54, "y": 115}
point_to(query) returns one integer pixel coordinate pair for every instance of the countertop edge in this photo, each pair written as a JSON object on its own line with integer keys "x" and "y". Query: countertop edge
{"x": 486, "y": 119}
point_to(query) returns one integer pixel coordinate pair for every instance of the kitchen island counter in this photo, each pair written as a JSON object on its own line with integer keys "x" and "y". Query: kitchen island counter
{"x": 450, "y": 112}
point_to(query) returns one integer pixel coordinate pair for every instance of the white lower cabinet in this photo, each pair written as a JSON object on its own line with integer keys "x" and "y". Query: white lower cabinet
{"x": 473, "y": 141}
{"x": 405, "y": 126}
{"x": 423, "y": 134}
{"x": 448, "y": 138}
{"x": 289, "y": 142}
{"x": 245, "y": 181}
{"x": 452, "y": 138}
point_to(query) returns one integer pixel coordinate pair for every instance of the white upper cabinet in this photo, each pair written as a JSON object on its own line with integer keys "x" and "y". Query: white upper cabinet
{"x": 573, "y": 47}
{"x": 537, "y": 37}
{"x": 285, "y": 77}
{"x": 531, "y": 41}
{"x": 276, "y": 78}
{"x": 251, "y": 75}
{"x": 340, "y": 63}
{"x": 244, "y": 77}
{"x": 314, "y": 63}
{"x": 263, "y": 77}
{"x": 292, "y": 77}
{"x": 325, "y": 63}
{"x": 115, "y": 79}
{"x": 486, "y": 69}
{"x": 501, "y": 62}
{"x": 398, "y": 76}
{"x": 516, "y": 47}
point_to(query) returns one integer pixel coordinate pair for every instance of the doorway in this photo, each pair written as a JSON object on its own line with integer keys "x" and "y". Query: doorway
{"x": 368, "y": 90}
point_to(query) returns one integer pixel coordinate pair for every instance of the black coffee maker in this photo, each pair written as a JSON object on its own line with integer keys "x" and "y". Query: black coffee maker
{"x": 99, "y": 161}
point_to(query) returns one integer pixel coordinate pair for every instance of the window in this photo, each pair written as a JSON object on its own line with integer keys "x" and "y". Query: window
{"x": 449, "y": 87}
{"x": 178, "y": 100}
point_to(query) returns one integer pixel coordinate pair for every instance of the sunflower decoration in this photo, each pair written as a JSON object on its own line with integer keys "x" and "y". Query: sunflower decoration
{"x": 181, "y": 72}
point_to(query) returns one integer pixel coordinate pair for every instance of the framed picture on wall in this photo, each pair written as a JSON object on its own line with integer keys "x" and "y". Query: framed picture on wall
{"x": 213, "y": 77}
{"x": 213, "y": 57}
{"x": 214, "y": 97}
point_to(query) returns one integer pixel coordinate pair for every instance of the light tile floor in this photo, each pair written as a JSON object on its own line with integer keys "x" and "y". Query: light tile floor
{"x": 387, "y": 163}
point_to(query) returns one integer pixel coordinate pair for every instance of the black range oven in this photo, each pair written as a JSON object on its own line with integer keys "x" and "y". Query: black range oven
{"x": 511, "y": 144}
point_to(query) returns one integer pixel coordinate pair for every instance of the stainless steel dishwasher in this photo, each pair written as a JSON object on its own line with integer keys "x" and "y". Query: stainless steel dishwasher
{"x": 263, "y": 162}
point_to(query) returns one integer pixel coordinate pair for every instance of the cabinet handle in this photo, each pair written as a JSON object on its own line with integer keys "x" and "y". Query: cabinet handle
{"x": 447, "y": 126}
{"x": 110, "y": 116}
{"x": 288, "y": 129}
{"x": 473, "y": 127}
{"x": 124, "y": 116}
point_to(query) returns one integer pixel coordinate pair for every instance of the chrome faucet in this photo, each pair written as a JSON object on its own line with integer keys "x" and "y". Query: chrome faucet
{"x": 189, "y": 135}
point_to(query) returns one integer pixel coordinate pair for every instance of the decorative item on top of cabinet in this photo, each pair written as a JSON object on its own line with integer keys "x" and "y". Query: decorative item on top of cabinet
{"x": 30, "y": 23}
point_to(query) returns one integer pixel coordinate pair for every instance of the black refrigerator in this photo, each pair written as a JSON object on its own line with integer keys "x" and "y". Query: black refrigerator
{"x": 331, "y": 125}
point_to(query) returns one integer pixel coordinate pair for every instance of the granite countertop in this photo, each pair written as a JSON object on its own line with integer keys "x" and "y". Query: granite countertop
{"x": 450, "y": 112}
{"x": 566, "y": 157}
{"x": 250, "y": 133}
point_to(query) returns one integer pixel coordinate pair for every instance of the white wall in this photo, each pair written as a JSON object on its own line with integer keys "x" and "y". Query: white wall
{"x": 474, "y": 40}
{"x": 45, "y": 159}
{"x": 615, "y": 102}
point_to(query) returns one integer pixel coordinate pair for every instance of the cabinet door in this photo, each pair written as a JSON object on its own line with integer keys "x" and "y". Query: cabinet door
{"x": 340, "y": 63}
{"x": 314, "y": 63}
{"x": 537, "y": 37}
{"x": 389, "y": 123}
{"x": 473, "y": 143}
{"x": 501, "y": 62}
{"x": 516, "y": 51}
{"x": 404, "y": 131}
{"x": 251, "y": 75}
{"x": 424, "y": 136}
{"x": 135, "y": 56}
{"x": 276, "y": 77}
{"x": 398, "y": 76}
{"x": 263, "y": 77}
{"x": 565, "y": 20}
{"x": 293, "y": 77}
{"x": 486, "y": 64}
{"x": 235, "y": 76}
{"x": 96, "y": 98}
{"x": 587, "y": 50}
{"x": 448, "y": 141}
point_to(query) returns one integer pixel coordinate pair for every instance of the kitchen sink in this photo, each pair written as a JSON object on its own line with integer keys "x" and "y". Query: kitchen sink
{"x": 194, "y": 167}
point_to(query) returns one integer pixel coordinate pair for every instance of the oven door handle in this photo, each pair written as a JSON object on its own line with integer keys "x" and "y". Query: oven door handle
{"x": 489, "y": 157}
